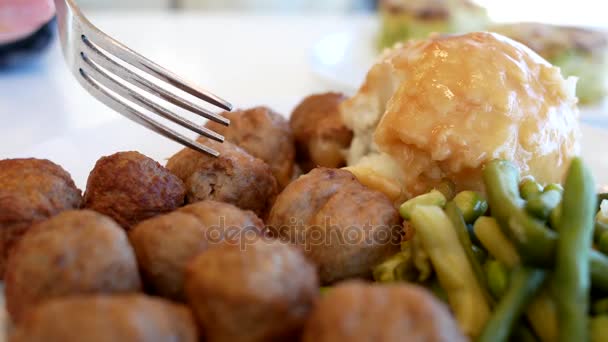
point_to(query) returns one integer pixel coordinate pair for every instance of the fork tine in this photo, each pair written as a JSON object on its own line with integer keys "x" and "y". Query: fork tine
{"x": 100, "y": 58}
{"x": 107, "y": 81}
{"x": 131, "y": 57}
{"x": 121, "y": 107}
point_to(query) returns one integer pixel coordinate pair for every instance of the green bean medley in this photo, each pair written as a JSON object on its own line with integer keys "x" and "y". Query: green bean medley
{"x": 528, "y": 264}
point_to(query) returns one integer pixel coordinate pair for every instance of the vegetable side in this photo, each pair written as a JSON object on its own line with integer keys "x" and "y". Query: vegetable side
{"x": 528, "y": 263}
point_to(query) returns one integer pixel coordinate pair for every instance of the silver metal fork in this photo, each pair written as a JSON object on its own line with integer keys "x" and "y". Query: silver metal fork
{"x": 98, "y": 62}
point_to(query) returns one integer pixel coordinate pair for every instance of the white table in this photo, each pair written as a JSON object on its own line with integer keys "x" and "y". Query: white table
{"x": 247, "y": 59}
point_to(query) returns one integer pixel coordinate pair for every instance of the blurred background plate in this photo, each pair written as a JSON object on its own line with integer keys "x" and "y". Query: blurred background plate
{"x": 343, "y": 58}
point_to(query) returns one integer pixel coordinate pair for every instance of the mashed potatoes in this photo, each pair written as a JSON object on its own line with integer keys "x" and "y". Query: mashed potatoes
{"x": 440, "y": 108}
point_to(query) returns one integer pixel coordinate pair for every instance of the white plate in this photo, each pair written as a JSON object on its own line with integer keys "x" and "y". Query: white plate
{"x": 78, "y": 152}
{"x": 343, "y": 58}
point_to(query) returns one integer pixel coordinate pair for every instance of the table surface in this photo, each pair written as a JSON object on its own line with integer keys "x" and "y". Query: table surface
{"x": 248, "y": 59}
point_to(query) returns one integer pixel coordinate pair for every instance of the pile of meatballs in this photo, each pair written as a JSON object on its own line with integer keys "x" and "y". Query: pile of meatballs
{"x": 234, "y": 248}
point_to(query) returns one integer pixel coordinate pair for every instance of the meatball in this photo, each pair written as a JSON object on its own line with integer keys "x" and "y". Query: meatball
{"x": 234, "y": 177}
{"x": 74, "y": 252}
{"x": 342, "y": 226}
{"x": 164, "y": 244}
{"x": 31, "y": 190}
{"x": 355, "y": 311}
{"x": 102, "y": 318}
{"x": 263, "y": 291}
{"x": 264, "y": 134}
{"x": 130, "y": 187}
{"x": 320, "y": 134}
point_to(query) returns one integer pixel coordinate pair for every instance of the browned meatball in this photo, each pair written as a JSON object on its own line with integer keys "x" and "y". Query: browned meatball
{"x": 74, "y": 252}
{"x": 31, "y": 190}
{"x": 264, "y": 134}
{"x": 341, "y": 225}
{"x": 319, "y": 132}
{"x": 355, "y": 311}
{"x": 164, "y": 244}
{"x": 234, "y": 177}
{"x": 263, "y": 291}
{"x": 99, "y": 318}
{"x": 130, "y": 187}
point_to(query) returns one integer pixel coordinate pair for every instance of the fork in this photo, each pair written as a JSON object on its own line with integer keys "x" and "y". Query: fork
{"x": 99, "y": 64}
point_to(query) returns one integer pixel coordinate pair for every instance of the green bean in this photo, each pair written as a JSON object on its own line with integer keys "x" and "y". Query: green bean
{"x": 554, "y": 216}
{"x": 471, "y": 205}
{"x": 599, "y": 328}
{"x": 495, "y": 242}
{"x": 534, "y": 242}
{"x": 414, "y": 251}
{"x": 554, "y": 187}
{"x": 434, "y": 197}
{"x": 571, "y": 276}
{"x": 599, "y": 228}
{"x": 472, "y": 236}
{"x": 480, "y": 254}
{"x": 529, "y": 188}
{"x": 600, "y": 306}
{"x": 601, "y": 197}
{"x": 541, "y": 205}
{"x": 602, "y": 243}
{"x": 600, "y": 231}
{"x": 447, "y": 188}
{"x": 455, "y": 216}
{"x": 498, "y": 278}
{"x": 598, "y": 266}
{"x": 397, "y": 267}
{"x": 541, "y": 311}
{"x": 452, "y": 268}
{"x": 522, "y": 333}
{"x": 525, "y": 283}
{"x": 542, "y": 315}
{"x": 437, "y": 290}
{"x": 602, "y": 214}
{"x": 546, "y": 242}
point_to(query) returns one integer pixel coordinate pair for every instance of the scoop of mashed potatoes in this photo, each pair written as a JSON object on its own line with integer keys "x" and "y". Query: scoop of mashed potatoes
{"x": 440, "y": 108}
